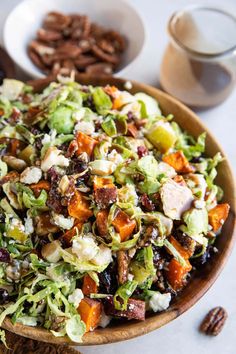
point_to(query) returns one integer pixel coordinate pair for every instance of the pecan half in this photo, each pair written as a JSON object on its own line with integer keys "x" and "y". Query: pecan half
{"x": 83, "y": 61}
{"x": 56, "y": 21}
{"x": 110, "y": 58}
{"x": 99, "y": 69}
{"x": 36, "y": 59}
{"x": 123, "y": 267}
{"x": 214, "y": 321}
{"x": 48, "y": 35}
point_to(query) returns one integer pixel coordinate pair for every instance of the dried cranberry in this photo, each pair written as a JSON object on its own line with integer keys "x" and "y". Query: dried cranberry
{"x": 107, "y": 279}
{"x": 130, "y": 116}
{"x": 147, "y": 203}
{"x": 38, "y": 143}
{"x": 4, "y": 255}
{"x": 142, "y": 151}
{"x": 201, "y": 260}
{"x": 53, "y": 175}
{"x": 4, "y": 296}
{"x": 196, "y": 159}
{"x": 76, "y": 166}
{"x": 89, "y": 103}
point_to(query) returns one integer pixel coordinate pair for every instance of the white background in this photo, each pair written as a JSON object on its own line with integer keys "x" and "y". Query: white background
{"x": 181, "y": 336}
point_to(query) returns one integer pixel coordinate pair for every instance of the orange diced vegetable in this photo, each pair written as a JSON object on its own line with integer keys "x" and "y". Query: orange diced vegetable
{"x": 79, "y": 207}
{"x": 179, "y": 162}
{"x": 68, "y": 235}
{"x": 14, "y": 146}
{"x": 101, "y": 222}
{"x": 101, "y": 182}
{"x": 177, "y": 272}
{"x": 182, "y": 251}
{"x": 105, "y": 192}
{"x": 123, "y": 225}
{"x": 111, "y": 90}
{"x": 89, "y": 285}
{"x": 90, "y": 312}
{"x": 218, "y": 215}
{"x": 133, "y": 131}
{"x": 85, "y": 144}
{"x": 117, "y": 102}
{"x": 37, "y": 187}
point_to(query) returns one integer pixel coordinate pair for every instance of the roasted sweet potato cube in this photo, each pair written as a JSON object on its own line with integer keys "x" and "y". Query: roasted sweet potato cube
{"x": 101, "y": 222}
{"x": 218, "y": 215}
{"x": 179, "y": 162}
{"x": 90, "y": 312}
{"x": 85, "y": 144}
{"x": 105, "y": 192}
{"x": 123, "y": 225}
{"x": 68, "y": 235}
{"x": 89, "y": 285}
{"x": 182, "y": 251}
{"x": 135, "y": 309}
{"x": 78, "y": 207}
{"x": 176, "y": 273}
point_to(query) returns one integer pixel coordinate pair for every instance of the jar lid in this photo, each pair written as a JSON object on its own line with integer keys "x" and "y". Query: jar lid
{"x": 204, "y": 31}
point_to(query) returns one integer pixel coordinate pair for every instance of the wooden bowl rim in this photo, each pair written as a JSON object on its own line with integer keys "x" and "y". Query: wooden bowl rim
{"x": 133, "y": 329}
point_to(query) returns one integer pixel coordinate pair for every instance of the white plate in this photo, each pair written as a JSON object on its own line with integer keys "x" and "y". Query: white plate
{"x": 26, "y": 18}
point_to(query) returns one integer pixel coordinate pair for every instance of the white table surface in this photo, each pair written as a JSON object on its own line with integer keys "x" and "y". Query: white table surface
{"x": 180, "y": 336}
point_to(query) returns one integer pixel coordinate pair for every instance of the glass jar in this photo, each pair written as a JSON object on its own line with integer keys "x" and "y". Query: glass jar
{"x": 199, "y": 64}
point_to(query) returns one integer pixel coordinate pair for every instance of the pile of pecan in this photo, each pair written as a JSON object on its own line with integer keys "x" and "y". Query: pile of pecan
{"x": 73, "y": 42}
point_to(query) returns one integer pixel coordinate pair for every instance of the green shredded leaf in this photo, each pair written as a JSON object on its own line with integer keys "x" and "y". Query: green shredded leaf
{"x": 123, "y": 294}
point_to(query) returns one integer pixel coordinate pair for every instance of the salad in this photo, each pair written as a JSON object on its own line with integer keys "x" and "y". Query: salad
{"x": 106, "y": 206}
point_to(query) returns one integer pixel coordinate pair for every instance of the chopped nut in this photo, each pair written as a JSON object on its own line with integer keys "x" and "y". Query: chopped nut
{"x": 56, "y": 21}
{"x": 214, "y": 321}
{"x": 123, "y": 267}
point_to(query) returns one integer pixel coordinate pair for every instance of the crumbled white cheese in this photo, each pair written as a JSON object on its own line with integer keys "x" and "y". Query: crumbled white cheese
{"x": 130, "y": 277}
{"x": 115, "y": 157}
{"x": 76, "y": 297}
{"x": 31, "y": 175}
{"x": 61, "y": 221}
{"x": 85, "y": 248}
{"x": 53, "y": 157}
{"x": 103, "y": 256}
{"x": 197, "y": 183}
{"x": 49, "y": 138}
{"x": 17, "y": 223}
{"x": 159, "y": 302}
{"x": 128, "y": 85}
{"x": 133, "y": 107}
{"x": 176, "y": 199}
{"x": 85, "y": 127}
{"x": 104, "y": 320}
{"x": 79, "y": 114}
{"x": 166, "y": 169}
{"x": 199, "y": 204}
{"x": 29, "y": 227}
{"x": 64, "y": 184}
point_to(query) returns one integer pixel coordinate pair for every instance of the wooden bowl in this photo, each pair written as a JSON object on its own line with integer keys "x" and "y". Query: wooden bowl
{"x": 203, "y": 279}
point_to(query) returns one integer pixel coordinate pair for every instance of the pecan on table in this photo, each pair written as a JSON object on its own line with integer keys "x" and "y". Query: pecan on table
{"x": 214, "y": 321}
